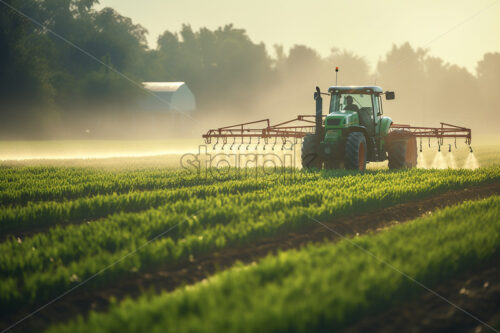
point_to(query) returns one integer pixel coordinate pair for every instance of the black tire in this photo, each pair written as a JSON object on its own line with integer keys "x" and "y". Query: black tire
{"x": 309, "y": 156}
{"x": 355, "y": 151}
{"x": 397, "y": 154}
{"x": 402, "y": 151}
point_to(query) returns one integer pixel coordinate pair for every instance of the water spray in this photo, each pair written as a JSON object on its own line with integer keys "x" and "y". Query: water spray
{"x": 471, "y": 162}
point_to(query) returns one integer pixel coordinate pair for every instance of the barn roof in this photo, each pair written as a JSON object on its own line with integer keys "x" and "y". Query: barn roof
{"x": 163, "y": 86}
{"x": 166, "y": 96}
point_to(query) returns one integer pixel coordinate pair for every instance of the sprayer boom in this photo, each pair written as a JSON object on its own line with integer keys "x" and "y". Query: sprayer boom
{"x": 304, "y": 124}
{"x": 262, "y": 129}
{"x": 441, "y": 133}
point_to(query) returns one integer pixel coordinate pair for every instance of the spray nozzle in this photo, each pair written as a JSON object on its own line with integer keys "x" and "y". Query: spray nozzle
{"x": 439, "y": 148}
{"x": 449, "y": 148}
{"x": 470, "y": 147}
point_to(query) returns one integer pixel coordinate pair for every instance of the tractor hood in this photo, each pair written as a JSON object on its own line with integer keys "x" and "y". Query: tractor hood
{"x": 336, "y": 121}
{"x": 341, "y": 119}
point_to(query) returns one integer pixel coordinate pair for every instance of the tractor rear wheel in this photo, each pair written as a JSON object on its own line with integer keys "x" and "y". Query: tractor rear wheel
{"x": 310, "y": 157}
{"x": 355, "y": 151}
{"x": 402, "y": 151}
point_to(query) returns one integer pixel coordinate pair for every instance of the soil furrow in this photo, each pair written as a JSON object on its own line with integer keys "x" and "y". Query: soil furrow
{"x": 476, "y": 291}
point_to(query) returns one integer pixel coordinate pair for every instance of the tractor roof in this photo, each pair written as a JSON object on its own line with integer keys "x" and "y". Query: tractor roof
{"x": 355, "y": 89}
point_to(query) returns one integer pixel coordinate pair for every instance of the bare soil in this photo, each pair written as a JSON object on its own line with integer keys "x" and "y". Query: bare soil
{"x": 476, "y": 291}
{"x": 81, "y": 301}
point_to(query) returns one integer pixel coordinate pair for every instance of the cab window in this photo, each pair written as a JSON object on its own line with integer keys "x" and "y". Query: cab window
{"x": 344, "y": 102}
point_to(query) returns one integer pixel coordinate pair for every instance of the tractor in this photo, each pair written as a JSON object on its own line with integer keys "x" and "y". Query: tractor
{"x": 355, "y": 132}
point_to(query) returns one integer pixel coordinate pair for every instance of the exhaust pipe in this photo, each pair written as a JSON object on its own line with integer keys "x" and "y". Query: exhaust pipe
{"x": 319, "y": 113}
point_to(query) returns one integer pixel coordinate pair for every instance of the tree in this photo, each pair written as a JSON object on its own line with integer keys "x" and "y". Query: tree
{"x": 220, "y": 66}
{"x": 488, "y": 74}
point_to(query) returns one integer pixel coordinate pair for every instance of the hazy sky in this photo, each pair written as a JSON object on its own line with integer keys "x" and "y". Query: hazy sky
{"x": 366, "y": 27}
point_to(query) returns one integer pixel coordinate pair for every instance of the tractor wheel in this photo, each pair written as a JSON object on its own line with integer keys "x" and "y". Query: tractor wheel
{"x": 402, "y": 152}
{"x": 310, "y": 156}
{"x": 355, "y": 151}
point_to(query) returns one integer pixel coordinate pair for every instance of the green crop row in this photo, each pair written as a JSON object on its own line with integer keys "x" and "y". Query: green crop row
{"x": 44, "y": 214}
{"x": 41, "y": 184}
{"x": 40, "y": 267}
{"x": 48, "y": 213}
{"x": 319, "y": 288}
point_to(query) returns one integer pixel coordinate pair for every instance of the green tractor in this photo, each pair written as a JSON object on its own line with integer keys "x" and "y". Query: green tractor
{"x": 355, "y": 132}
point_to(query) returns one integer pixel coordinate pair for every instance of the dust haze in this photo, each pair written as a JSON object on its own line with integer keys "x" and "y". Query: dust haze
{"x": 50, "y": 91}
{"x": 428, "y": 91}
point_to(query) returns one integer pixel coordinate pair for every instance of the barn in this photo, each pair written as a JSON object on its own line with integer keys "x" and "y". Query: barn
{"x": 168, "y": 97}
{"x": 165, "y": 109}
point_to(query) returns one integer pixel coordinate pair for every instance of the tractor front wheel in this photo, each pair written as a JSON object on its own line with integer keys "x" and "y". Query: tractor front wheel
{"x": 355, "y": 151}
{"x": 310, "y": 157}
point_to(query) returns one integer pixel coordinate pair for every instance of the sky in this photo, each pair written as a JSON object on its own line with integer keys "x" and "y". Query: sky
{"x": 459, "y": 32}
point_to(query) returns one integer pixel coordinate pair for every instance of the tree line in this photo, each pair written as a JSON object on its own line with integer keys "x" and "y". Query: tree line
{"x": 47, "y": 81}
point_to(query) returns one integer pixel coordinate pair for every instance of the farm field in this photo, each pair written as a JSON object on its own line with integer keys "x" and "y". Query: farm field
{"x": 92, "y": 149}
{"x": 322, "y": 286}
{"x": 63, "y": 223}
{"x": 132, "y": 155}
{"x": 170, "y": 166}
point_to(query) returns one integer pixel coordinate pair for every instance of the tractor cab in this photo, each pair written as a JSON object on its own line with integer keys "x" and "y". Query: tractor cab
{"x": 360, "y": 106}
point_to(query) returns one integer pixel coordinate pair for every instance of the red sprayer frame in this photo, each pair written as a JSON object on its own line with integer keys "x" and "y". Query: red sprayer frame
{"x": 282, "y": 130}
{"x": 443, "y": 132}
{"x": 306, "y": 125}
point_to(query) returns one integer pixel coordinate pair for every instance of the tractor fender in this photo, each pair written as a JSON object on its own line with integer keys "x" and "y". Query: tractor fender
{"x": 356, "y": 128}
{"x": 385, "y": 124}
